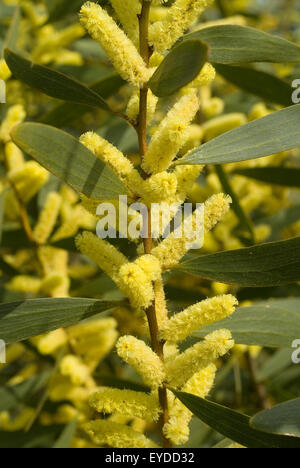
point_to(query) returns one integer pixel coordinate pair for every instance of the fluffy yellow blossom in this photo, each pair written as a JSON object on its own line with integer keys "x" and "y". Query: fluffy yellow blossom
{"x": 5, "y": 72}
{"x": 29, "y": 179}
{"x": 136, "y": 284}
{"x": 133, "y": 106}
{"x": 201, "y": 383}
{"x": 17, "y": 423}
{"x": 136, "y": 353}
{"x": 24, "y": 283}
{"x": 258, "y": 111}
{"x": 71, "y": 366}
{"x": 127, "y": 12}
{"x": 159, "y": 188}
{"x": 47, "y": 218}
{"x": 92, "y": 327}
{"x": 223, "y": 124}
{"x": 171, "y": 134}
{"x": 62, "y": 389}
{"x": 205, "y": 77}
{"x": 199, "y": 315}
{"x": 216, "y": 207}
{"x": 150, "y": 265}
{"x": 117, "y": 435}
{"x": 127, "y": 402}
{"x": 186, "y": 176}
{"x": 53, "y": 260}
{"x": 14, "y": 156}
{"x": 50, "y": 342}
{"x": 199, "y": 356}
{"x": 116, "y": 44}
{"x": 105, "y": 255}
{"x": 212, "y": 107}
{"x": 15, "y": 115}
{"x": 114, "y": 158}
{"x": 180, "y": 16}
{"x": 51, "y": 283}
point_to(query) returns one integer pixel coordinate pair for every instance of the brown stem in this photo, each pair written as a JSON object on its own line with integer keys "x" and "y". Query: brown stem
{"x": 157, "y": 344}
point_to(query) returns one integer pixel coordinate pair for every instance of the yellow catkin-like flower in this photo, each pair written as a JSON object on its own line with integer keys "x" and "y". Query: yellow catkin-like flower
{"x": 15, "y": 115}
{"x": 47, "y": 218}
{"x": 205, "y": 77}
{"x": 136, "y": 353}
{"x": 53, "y": 260}
{"x": 171, "y": 250}
{"x": 171, "y": 134}
{"x": 177, "y": 428}
{"x": 117, "y": 435}
{"x": 14, "y": 156}
{"x": 92, "y": 327}
{"x": 128, "y": 11}
{"x": 199, "y": 356}
{"x": 127, "y": 402}
{"x": 258, "y": 111}
{"x": 29, "y": 179}
{"x": 136, "y": 284}
{"x": 212, "y": 107}
{"x": 62, "y": 389}
{"x": 150, "y": 265}
{"x": 159, "y": 188}
{"x": 50, "y": 342}
{"x": 197, "y": 316}
{"x": 160, "y": 303}
{"x": 5, "y": 72}
{"x": 105, "y": 255}
{"x": 18, "y": 423}
{"x": 180, "y": 16}
{"x": 25, "y": 284}
{"x": 72, "y": 367}
{"x": 114, "y": 158}
{"x": 186, "y": 176}
{"x": 51, "y": 283}
{"x": 223, "y": 124}
{"x": 133, "y": 106}
{"x": 116, "y": 44}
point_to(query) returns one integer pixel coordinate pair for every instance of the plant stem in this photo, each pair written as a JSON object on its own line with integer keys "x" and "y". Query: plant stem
{"x": 157, "y": 344}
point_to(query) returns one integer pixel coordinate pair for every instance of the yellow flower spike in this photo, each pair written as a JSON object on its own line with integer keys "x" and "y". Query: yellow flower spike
{"x": 116, "y": 435}
{"x": 199, "y": 315}
{"x": 15, "y": 115}
{"x": 25, "y": 284}
{"x": 50, "y": 342}
{"x": 114, "y": 158}
{"x": 47, "y": 218}
{"x": 205, "y": 77}
{"x": 171, "y": 250}
{"x": 159, "y": 188}
{"x": 127, "y": 12}
{"x": 160, "y": 303}
{"x": 72, "y": 367}
{"x": 29, "y": 179}
{"x": 126, "y": 402}
{"x": 202, "y": 382}
{"x": 199, "y": 356}
{"x": 223, "y": 124}
{"x": 116, "y": 44}
{"x": 53, "y": 260}
{"x": 258, "y": 111}
{"x": 171, "y": 134}
{"x": 136, "y": 285}
{"x": 62, "y": 389}
{"x": 158, "y": 13}
{"x": 213, "y": 107}
{"x": 150, "y": 265}
{"x": 18, "y": 423}
{"x": 51, "y": 283}
{"x": 5, "y": 72}
{"x": 180, "y": 16}
{"x": 92, "y": 327}
{"x": 136, "y": 353}
{"x": 133, "y": 106}
{"x": 105, "y": 255}
{"x": 186, "y": 176}
{"x": 14, "y": 156}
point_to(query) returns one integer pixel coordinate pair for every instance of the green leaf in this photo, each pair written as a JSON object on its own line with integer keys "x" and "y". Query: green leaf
{"x": 11, "y": 38}
{"x": 236, "y": 206}
{"x": 271, "y": 264}
{"x": 181, "y": 66}
{"x": 64, "y": 114}
{"x": 51, "y": 82}
{"x": 283, "y": 419}
{"x": 232, "y": 44}
{"x": 65, "y": 439}
{"x": 286, "y": 176}
{"x": 25, "y": 319}
{"x": 282, "y": 219}
{"x": 278, "y": 362}
{"x": 122, "y": 384}
{"x": 15, "y": 395}
{"x": 272, "y": 134}
{"x": 58, "y": 9}
{"x": 68, "y": 159}
{"x": 38, "y": 436}
{"x": 270, "y": 324}
{"x": 264, "y": 85}
{"x": 2, "y": 203}
{"x": 234, "y": 425}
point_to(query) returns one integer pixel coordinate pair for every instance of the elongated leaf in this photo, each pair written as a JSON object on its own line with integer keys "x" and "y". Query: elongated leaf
{"x": 64, "y": 114}
{"x": 15, "y": 395}
{"x": 234, "y": 425}
{"x": 283, "y": 419}
{"x": 278, "y": 362}
{"x": 282, "y": 219}
{"x": 68, "y": 159}
{"x": 232, "y": 44}
{"x": 271, "y": 134}
{"x": 22, "y": 320}
{"x": 65, "y": 439}
{"x": 58, "y": 9}
{"x": 181, "y": 66}
{"x": 13, "y": 31}
{"x": 259, "y": 83}
{"x": 38, "y": 437}
{"x": 271, "y": 264}
{"x": 236, "y": 206}
{"x": 286, "y": 176}
{"x": 272, "y": 325}
{"x": 51, "y": 82}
